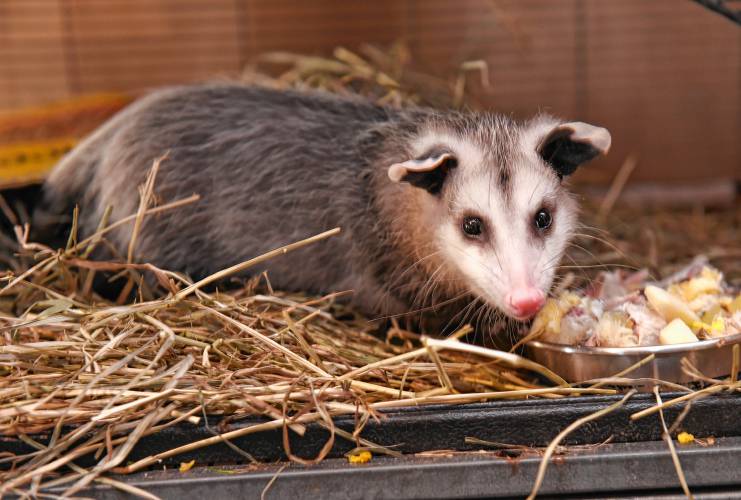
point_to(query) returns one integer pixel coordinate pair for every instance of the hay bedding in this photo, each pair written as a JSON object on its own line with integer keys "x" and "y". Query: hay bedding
{"x": 100, "y": 375}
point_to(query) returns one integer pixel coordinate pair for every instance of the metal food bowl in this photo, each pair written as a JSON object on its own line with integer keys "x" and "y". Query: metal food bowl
{"x": 713, "y": 358}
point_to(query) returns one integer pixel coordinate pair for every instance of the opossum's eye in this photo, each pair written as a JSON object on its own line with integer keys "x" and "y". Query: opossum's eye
{"x": 473, "y": 226}
{"x": 543, "y": 219}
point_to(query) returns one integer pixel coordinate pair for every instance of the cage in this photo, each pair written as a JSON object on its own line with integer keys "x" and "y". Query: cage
{"x": 664, "y": 76}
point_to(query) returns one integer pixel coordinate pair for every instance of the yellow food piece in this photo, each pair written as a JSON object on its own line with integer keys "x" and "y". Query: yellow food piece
{"x": 676, "y": 332}
{"x": 711, "y": 274}
{"x": 715, "y": 326}
{"x": 709, "y": 315}
{"x": 669, "y": 306}
{"x": 699, "y": 286}
{"x": 736, "y": 304}
{"x": 359, "y": 457}
{"x": 685, "y": 438}
{"x": 718, "y": 326}
{"x": 548, "y": 322}
{"x": 568, "y": 300}
{"x": 548, "y": 318}
{"x": 704, "y": 302}
{"x": 186, "y": 466}
{"x": 700, "y": 325}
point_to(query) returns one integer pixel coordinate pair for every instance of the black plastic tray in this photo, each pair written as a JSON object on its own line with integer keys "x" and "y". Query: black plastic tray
{"x": 414, "y": 430}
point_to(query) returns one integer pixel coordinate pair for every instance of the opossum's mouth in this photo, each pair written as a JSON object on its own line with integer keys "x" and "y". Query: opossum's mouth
{"x": 510, "y": 312}
{"x": 500, "y": 305}
{"x": 522, "y": 318}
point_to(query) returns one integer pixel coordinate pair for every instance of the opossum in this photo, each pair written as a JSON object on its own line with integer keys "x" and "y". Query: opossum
{"x": 436, "y": 207}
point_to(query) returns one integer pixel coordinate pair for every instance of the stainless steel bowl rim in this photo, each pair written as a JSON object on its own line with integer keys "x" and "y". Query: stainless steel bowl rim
{"x": 640, "y": 350}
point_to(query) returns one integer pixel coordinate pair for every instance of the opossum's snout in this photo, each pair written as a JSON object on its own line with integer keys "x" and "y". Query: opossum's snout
{"x": 518, "y": 287}
{"x": 525, "y": 302}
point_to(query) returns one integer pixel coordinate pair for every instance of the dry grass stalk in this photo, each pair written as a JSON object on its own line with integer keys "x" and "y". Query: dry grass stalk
{"x": 670, "y": 443}
{"x": 618, "y": 183}
{"x": 387, "y": 76}
{"x": 568, "y": 430}
{"x": 628, "y": 370}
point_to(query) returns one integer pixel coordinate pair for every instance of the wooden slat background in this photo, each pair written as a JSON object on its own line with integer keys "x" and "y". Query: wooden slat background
{"x": 663, "y": 75}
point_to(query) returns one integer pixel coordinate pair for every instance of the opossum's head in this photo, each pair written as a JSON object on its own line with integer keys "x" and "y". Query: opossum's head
{"x": 491, "y": 203}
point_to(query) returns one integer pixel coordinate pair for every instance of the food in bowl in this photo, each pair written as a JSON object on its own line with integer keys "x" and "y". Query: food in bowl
{"x": 623, "y": 310}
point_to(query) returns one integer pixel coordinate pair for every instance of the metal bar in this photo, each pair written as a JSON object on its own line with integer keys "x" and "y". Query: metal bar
{"x": 623, "y": 469}
{"x": 722, "y": 8}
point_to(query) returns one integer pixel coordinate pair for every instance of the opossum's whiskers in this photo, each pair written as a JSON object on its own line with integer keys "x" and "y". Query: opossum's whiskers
{"x": 428, "y": 308}
{"x": 604, "y": 241}
{"x": 432, "y": 283}
{"x": 599, "y": 266}
{"x": 463, "y": 313}
{"x": 585, "y": 250}
{"x": 398, "y": 277}
{"x": 417, "y": 262}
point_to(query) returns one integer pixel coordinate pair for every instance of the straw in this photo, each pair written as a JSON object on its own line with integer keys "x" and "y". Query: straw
{"x": 101, "y": 376}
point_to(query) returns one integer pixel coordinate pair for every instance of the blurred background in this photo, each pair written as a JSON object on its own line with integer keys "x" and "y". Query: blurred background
{"x": 663, "y": 75}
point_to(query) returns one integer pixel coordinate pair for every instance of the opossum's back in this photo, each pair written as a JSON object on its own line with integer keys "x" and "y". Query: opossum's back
{"x": 264, "y": 162}
{"x": 219, "y": 128}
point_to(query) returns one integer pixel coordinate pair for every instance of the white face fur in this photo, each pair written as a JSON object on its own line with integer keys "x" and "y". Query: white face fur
{"x": 502, "y": 219}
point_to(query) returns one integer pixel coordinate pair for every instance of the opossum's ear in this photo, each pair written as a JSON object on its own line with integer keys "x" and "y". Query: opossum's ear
{"x": 571, "y": 144}
{"x": 427, "y": 173}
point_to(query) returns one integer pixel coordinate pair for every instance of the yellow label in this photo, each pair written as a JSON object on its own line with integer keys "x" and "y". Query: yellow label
{"x": 26, "y": 162}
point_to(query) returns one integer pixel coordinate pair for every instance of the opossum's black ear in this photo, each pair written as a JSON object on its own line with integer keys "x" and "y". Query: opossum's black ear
{"x": 571, "y": 144}
{"x": 427, "y": 173}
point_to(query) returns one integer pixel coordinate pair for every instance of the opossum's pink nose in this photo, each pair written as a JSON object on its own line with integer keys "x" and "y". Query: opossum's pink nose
{"x": 525, "y": 302}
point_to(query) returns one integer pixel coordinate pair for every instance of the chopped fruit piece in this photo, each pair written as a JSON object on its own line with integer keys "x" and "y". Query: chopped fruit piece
{"x": 676, "y": 332}
{"x": 685, "y": 438}
{"x": 359, "y": 457}
{"x": 186, "y": 466}
{"x": 669, "y": 306}
{"x": 736, "y": 304}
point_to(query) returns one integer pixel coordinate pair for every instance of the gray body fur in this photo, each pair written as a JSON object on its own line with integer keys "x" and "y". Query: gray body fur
{"x": 270, "y": 167}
